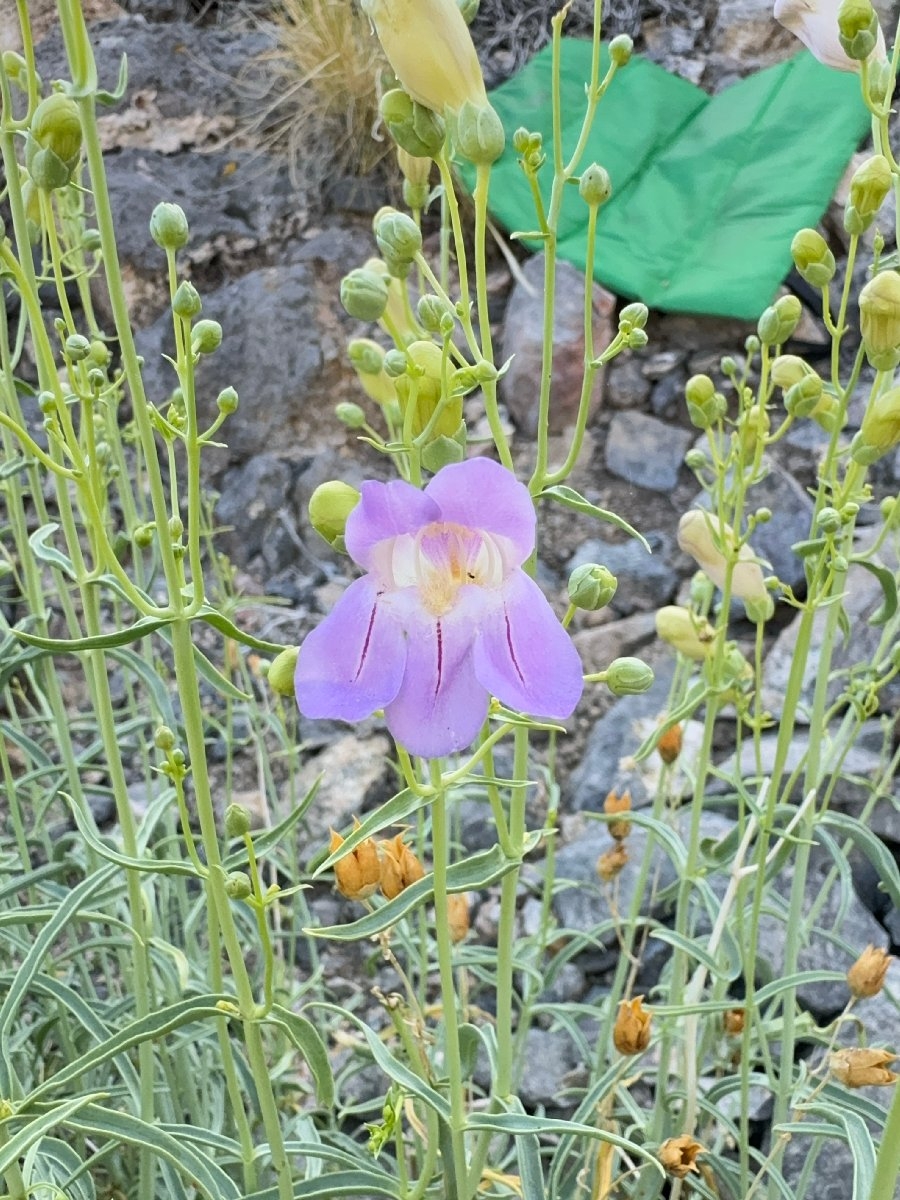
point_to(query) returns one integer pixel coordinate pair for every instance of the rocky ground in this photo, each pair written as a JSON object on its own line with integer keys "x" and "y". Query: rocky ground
{"x": 268, "y": 267}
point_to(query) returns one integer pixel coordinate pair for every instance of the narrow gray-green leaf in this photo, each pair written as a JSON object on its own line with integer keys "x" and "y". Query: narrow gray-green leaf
{"x": 574, "y": 500}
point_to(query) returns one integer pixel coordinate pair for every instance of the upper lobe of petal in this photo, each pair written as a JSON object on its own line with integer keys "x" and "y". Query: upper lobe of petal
{"x": 481, "y": 494}
{"x": 354, "y": 661}
{"x": 524, "y": 656}
{"x": 384, "y": 511}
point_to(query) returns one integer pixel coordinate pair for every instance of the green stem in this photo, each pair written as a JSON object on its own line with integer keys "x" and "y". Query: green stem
{"x": 887, "y": 1163}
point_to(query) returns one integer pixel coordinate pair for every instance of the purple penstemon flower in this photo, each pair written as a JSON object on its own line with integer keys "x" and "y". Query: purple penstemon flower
{"x": 444, "y": 617}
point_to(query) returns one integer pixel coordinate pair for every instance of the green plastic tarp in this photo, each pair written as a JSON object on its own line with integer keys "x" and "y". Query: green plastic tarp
{"x": 708, "y": 191}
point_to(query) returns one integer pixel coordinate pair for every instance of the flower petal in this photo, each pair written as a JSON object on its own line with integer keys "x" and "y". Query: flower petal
{"x": 384, "y": 511}
{"x": 524, "y": 656}
{"x": 354, "y": 661}
{"x": 441, "y": 705}
{"x": 481, "y": 494}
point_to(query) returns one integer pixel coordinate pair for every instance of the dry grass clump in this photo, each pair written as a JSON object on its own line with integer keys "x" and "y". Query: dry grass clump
{"x": 323, "y": 91}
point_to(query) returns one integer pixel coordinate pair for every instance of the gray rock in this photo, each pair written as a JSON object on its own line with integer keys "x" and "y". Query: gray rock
{"x": 646, "y": 452}
{"x": 668, "y": 395}
{"x": 626, "y": 384}
{"x": 598, "y": 646}
{"x": 646, "y": 581}
{"x": 248, "y": 507}
{"x": 522, "y": 337}
{"x": 271, "y": 353}
{"x": 354, "y": 775}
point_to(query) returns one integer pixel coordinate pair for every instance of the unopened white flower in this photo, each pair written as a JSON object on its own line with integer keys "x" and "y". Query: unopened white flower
{"x": 428, "y": 44}
{"x": 815, "y": 23}
{"x": 708, "y": 541}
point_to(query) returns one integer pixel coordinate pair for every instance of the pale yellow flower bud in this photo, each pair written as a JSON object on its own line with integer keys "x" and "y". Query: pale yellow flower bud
{"x": 879, "y": 320}
{"x": 427, "y": 385}
{"x": 701, "y": 535}
{"x": 690, "y": 635}
{"x": 428, "y": 44}
{"x": 815, "y": 23}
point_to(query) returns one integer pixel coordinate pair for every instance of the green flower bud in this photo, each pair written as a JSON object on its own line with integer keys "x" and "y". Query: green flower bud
{"x": 879, "y": 320}
{"x": 469, "y": 9}
{"x": 633, "y": 316}
{"x": 887, "y": 506}
{"x": 395, "y": 363}
{"x": 696, "y": 460}
{"x": 206, "y": 337}
{"x": 186, "y": 302}
{"x": 90, "y": 241}
{"x": 628, "y": 677}
{"x": 829, "y": 520}
{"x": 478, "y": 133}
{"x": 164, "y": 739}
{"x": 176, "y": 528}
{"x": 753, "y": 426}
{"x": 424, "y": 364}
{"x": 169, "y": 226}
{"x": 779, "y": 321}
{"x": 592, "y": 586}
{"x": 870, "y": 185}
{"x": 812, "y": 258}
{"x": 143, "y": 535}
{"x": 350, "y": 414}
{"x": 801, "y": 398}
{"x": 857, "y": 28}
{"x": 281, "y": 671}
{"x": 77, "y": 347}
{"x": 416, "y": 129}
{"x": 238, "y": 886}
{"x": 620, "y": 50}
{"x": 415, "y": 195}
{"x": 827, "y": 413}
{"x": 329, "y": 507}
{"x": 788, "y": 369}
{"x": 99, "y": 354}
{"x": 53, "y": 145}
{"x": 880, "y": 430}
{"x": 16, "y": 69}
{"x": 364, "y": 294}
{"x": 237, "y": 821}
{"x": 227, "y": 400}
{"x": 366, "y": 356}
{"x": 706, "y": 406}
{"x": 398, "y": 236}
{"x": 595, "y": 185}
{"x": 431, "y": 311}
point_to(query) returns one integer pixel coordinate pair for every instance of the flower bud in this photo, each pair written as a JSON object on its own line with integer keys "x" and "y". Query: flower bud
{"x": 227, "y": 401}
{"x": 169, "y": 226}
{"x": 238, "y": 886}
{"x": 866, "y": 977}
{"x": 706, "y": 406}
{"x": 357, "y": 874}
{"x": 478, "y": 133}
{"x": 431, "y": 311}
{"x": 398, "y": 236}
{"x": 802, "y": 398}
{"x": 858, "y": 28}
{"x": 430, "y": 49}
{"x": 364, "y": 294}
{"x": 707, "y": 541}
{"x": 206, "y": 337}
{"x": 469, "y": 9}
{"x": 752, "y": 428}
{"x": 458, "y": 916}
{"x": 870, "y": 185}
{"x": 283, "y": 668}
{"x": 424, "y": 365}
{"x": 812, "y": 258}
{"x": 613, "y": 805}
{"x": 633, "y": 316}
{"x": 779, "y": 321}
{"x": 879, "y": 320}
{"x": 164, "y": 739}
{"x": 612, "y": 862}
{"x": 78, "y": 347}
{"x": 690, "y": 635}
{"x": 416, "y": 129}
{"x": 628, "y": 677}
{"x": 399, "y": 867}
{"x": 53, "y": 145}
{"x": 679, "y": 1155}
{"x": 367, "y": 358}
{"x": 620, "y": 50}
{"x": 441, "y": 451}
{"x": 788, "y": 369}
{"x": 186, "y": 302}
{"x": 880, "y": 429}
{"x": 631, "y": 1032}
{"x": 329, "y": 507}
{"x": 669, "y": 745}
{"x": 143, "y": 535}
{"x": 415, "y": 168}
{"x": 396, "y": 363}
{"x": 595, "y": 185}
{"x": 592, "y": 586}
{"x": 237, "y": 821}
{"x": 350, "y": 414}
{"x": 862, "y": 1067}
